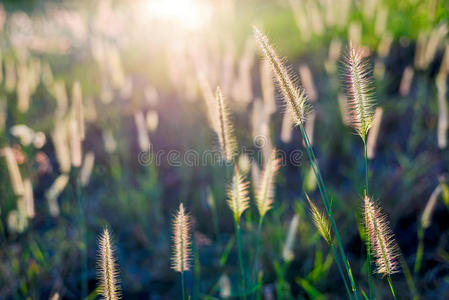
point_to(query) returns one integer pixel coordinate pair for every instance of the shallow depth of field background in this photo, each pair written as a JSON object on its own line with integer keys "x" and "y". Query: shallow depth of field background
{"x": 144, "y": 68}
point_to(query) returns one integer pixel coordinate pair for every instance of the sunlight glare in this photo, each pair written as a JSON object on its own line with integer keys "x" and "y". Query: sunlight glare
{"x": 188, "y": 14}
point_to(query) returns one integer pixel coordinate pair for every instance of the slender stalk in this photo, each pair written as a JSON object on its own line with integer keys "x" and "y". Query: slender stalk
{"x": 368, "y": 250}
{"x": 368, "y": 259}
{"x": 408, "y": 277}
{"x": 240, "y": 254}
{"x": 79, "y": 200}
{"x": 391, "y": 287}
{"x": 182, "y": 286}
{"x": 420, "y": 250}
{"x": 325, "y": 198}
{"x": 256, "y": 257}
{"x": 366, "y": 167}
{"x": 340, "y": 270}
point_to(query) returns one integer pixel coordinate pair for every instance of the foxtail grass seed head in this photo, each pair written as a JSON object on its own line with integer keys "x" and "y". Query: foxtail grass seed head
{"x": 61, "y": 143}
{"x": 295, "y": 97}
{"x": 76, "y": 152}
{"x": 307, "y": 81}
{"x": 14, "y": 171}
{"x": 108, "y": 269}
{"x": 58, "y": 91}
{"x": 110, "y": 144}
{"x": 142, "y": 133}
{"x": 286, "y": 129}
{"x": 406, "y": 81}
{"x": 181, "y": 241}
{"x": 320, "y": 221}
{"x": 78, "y": 108}
{"x": 10, "y": 74}
{"x": 359, "y": 90}
{"x": 225, "y": 130}
{"x": 22, "y": 88}
{"x": 209, "y": 99}
{"x": 374, "y": 133}
{"x": 255, "y": 173}
{"x": 86, "y": 168}
{"x": 265, "y": 192}
{"x": 244, "y": 164}
{"x": 426, "y": 218}
{"x": 238, "y": 199}
{"x": 443, "y": 110}
{"x": 55, "y": 296}
{"x": 152, "y": 120}
{"x": 28, "y": 198}
{"x": 53, "y": 193}
{"x": 266, "y": 82}
{"x": 287, "y": 250}
{"x": 383, "y": 245}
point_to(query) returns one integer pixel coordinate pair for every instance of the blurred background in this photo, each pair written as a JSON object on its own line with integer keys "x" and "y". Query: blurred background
{"x": 96, "y": 96}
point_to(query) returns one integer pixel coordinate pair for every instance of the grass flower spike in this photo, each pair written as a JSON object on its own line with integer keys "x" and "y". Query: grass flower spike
{"x": 108, "y": 268}
{"x": 383, "y": 244}
{"x": 238, "y": 199}
{"x": 296, "y": 98}
{"x": 265, "y": 192}
{"x": 359, "y": 90}
{"x": 181, "y": 241}
{"x": 320, "y": 221}
{"x": 225, "y": 130}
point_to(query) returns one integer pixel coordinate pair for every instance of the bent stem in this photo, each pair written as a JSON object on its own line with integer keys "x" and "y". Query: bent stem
{"x": 240, "y": 254}
{"x": 326, "y": 202}
{"x": 391, "y": 287}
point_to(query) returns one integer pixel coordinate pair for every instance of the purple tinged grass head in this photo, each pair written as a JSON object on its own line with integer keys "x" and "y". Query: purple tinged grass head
{"x": 294, "y": 96}
{"x": 359, "y": 90}
{"x": 225, "y": 130}
{"x": 108, "y": 269}
{"x": 383, "y": 245}
{"x": 181, "y": 241}
{"x": 238, "y": 199}
{"x": 265, "y": 191}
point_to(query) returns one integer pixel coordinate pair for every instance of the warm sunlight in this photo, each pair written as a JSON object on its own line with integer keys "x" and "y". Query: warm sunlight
{"x": 188, "y": 14}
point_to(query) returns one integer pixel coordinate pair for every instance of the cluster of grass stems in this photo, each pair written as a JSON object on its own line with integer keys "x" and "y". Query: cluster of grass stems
{"x": 381, "y": 248}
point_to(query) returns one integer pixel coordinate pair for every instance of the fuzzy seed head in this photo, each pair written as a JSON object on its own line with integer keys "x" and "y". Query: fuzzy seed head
{"x": 359, "y": 90}
{"x": 238, "y": 199}
{"x": 181, "y": 241}
{"x": 320, "y": 221}
{"x": 265, "y": 192}
{"x": 108, "y": 273}
{"x": 295, "y": 97}
{"x": 225, "y": 130}
{"x": 382, "y": 243}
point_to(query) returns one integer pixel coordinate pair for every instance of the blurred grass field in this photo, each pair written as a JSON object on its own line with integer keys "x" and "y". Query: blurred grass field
{"x": 144, "y": 70}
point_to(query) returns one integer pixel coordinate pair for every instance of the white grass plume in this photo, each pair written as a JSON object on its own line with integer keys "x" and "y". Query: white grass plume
{"x": 383, "y": 245}
{"x": 181, "y": 241}
{"x": 238, "y": 199}
{"x": 359, "y": 90}
{"x": 225, "y": 130}
{"x": 108, "y": 269}
{"x": 265, "y": 192}
{"x": 294, "y": 96}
